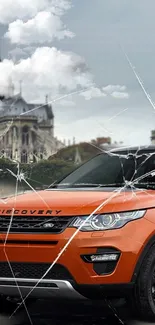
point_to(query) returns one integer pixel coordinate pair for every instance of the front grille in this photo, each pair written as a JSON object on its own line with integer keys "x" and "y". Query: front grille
{"x": 31, "y": 224}
{"x": 34, "y": 271}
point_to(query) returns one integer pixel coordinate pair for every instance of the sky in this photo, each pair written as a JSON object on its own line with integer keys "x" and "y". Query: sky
{"x": 80, "y": 47}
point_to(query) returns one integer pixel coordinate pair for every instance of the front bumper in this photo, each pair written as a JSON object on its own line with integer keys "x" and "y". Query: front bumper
{"x": 61, "y": 289}
{"x": 34, "y": 288}
{"x": 84, "y": 280}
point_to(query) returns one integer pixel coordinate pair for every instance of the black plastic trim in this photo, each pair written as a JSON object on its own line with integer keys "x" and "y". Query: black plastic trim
{"x": 33, "y": 284}
{"x": 29, "y": 242}
{"x": 33, "y": 270}
{"x": 102, "y": 291}
{"x": 36, "y": 231}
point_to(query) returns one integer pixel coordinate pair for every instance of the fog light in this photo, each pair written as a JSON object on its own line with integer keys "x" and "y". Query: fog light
{"x": 104, "y": 257}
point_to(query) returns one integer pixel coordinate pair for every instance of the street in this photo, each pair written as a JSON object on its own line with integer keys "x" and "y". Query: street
{"x": 47, "y": 313}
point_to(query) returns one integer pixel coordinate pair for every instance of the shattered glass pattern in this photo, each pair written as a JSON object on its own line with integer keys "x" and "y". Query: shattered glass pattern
{"x": 20, "y": 176}
{"x": 81, "y": 84}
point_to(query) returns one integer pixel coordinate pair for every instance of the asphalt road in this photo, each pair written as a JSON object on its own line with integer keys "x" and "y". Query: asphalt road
{"x": 51, "y": 313}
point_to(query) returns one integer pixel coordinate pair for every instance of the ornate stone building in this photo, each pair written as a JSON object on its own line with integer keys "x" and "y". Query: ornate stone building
{"x": 26, "y": 130}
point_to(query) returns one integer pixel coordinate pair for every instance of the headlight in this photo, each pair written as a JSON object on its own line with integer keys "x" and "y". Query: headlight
{"x": 106, "y": 221}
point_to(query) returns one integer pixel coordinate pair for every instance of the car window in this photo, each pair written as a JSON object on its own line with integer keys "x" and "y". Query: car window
{"x": 103, "y": 169}
{"x": 112, "y": 169}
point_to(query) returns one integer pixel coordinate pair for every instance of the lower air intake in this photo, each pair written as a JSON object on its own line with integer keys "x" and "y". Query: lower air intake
{"x": 34, "y": 271}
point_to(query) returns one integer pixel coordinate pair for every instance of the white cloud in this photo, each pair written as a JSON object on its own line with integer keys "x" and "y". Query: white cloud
{"x": 119, "y": 95}
{"x": 47, "y": 70}
{"x": 44, "y": 27}
{"x": 51, "y": 71}
{"x": 37, "y": 21}
{"x": 20, "y": 9}
{"x": 112, "y": 88}
{"x": 116, "y": 91}
{"x": 94, "y": 92}
{"x": 25, "y": 9}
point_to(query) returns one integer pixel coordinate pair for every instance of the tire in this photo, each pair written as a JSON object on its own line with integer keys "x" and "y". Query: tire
{"x": 144, "y": 302}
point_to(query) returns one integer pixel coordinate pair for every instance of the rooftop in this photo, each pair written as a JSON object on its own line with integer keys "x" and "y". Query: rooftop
{"x": 16, "y": 105}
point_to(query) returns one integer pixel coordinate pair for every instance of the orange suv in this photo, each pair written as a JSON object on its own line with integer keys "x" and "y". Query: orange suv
{"x": 88, "y": 236}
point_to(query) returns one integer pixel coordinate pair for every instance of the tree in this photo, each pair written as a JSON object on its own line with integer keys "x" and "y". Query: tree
{"x": 38, "y": 174}
{"x": 86, "y": 150}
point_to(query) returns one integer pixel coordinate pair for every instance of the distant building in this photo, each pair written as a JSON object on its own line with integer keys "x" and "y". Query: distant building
{"x": 107, "y": 147}
{"x": 102, "y": 140}
{"x": 105, "y": 143}
{"x": 26, "y": 130}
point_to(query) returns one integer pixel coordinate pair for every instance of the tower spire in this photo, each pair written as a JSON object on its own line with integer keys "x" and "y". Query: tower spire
{"x": 46, "y": 99}
{"x": 10, "y": 87}
{"x": 20, "y": 87}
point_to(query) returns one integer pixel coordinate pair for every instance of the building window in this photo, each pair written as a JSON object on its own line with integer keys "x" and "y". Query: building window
{"x": 33, "y": 137}
{"x": 15, "y": 131}
{"x": 34, "y": 156}
{"x": 16, "y": 154}
{"x": 7, "y": 138}
{"x": 24, "y": 157}
{"x": 25, "y": 135}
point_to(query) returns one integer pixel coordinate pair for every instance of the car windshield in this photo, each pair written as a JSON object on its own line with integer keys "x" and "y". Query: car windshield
{"x": 112, "y": 170}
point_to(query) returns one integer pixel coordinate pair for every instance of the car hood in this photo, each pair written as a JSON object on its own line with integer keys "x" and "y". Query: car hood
{"x": 77, "y": 202}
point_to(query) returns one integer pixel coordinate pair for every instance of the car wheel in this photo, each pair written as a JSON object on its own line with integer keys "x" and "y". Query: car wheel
{"x": 145, "y": 287}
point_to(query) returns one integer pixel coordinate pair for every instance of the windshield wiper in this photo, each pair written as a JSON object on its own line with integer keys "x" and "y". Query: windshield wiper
{"x": 111, "y": 185}
{"x": 145, "y": 185}
{"x": 78, "y": 185}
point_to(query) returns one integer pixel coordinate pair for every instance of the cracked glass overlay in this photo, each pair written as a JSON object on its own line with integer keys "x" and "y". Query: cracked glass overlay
{"x": 20, "y": 177}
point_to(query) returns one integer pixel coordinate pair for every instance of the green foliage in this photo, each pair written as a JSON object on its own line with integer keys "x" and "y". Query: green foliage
{"x": 86, "y": 150}
{"x": 38, "y": 174}
{"x": 48, "y": 171}
{"x": 5, "y": 165}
